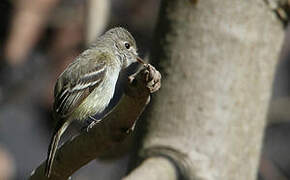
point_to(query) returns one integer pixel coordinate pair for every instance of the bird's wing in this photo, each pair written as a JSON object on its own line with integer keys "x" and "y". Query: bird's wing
{"x": 71, "y": 89}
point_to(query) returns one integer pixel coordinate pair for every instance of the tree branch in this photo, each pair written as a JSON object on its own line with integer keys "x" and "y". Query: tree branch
{"x": 112, "y": 130}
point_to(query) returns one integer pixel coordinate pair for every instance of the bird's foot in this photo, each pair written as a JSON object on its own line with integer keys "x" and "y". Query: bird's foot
{"x": 92, "y": 121}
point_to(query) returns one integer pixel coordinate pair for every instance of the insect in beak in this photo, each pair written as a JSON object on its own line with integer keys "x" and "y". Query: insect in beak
{"x": 140, "y": 60}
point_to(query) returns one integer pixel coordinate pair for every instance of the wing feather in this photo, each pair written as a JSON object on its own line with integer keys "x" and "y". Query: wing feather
{"x": 71, "y": 92}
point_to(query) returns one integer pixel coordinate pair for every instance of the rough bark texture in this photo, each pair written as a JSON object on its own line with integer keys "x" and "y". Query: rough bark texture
{"x": 217, "y": 59}
{"x": 113, "y": 129}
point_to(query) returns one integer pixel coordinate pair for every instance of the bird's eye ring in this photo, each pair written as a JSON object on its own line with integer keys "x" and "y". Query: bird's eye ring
{"x": 127, "y": 45}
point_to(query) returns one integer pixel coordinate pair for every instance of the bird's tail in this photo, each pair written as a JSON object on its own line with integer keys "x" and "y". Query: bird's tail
{"x": 60, "y": 128}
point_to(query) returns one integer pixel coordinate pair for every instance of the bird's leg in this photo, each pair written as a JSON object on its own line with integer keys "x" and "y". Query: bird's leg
{"x": 92, "y": 121}
{"x": 130, "y": 130}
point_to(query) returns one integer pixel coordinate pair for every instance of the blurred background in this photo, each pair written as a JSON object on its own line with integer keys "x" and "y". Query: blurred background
{"x": 38, "y": 38}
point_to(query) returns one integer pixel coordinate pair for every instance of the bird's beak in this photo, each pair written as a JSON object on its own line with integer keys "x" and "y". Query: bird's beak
{"x": 140, "y": 60}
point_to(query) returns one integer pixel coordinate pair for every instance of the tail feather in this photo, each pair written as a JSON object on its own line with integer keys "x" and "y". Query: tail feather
{"x": 53, "y": 147}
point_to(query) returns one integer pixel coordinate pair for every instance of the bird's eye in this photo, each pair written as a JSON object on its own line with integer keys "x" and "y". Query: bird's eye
{"x": 127, "y": 45}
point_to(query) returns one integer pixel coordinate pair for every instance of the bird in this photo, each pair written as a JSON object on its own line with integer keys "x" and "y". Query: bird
{"x": 87, "y": 85}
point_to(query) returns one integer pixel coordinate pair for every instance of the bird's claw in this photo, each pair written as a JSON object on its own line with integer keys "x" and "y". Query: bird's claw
{"x": 92, "y": 123}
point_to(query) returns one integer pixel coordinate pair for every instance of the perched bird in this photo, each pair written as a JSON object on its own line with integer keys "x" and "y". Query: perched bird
{"x": 87, "y": 85}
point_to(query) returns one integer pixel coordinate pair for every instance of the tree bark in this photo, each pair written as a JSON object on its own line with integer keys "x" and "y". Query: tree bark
{"x": 217, "y": 59}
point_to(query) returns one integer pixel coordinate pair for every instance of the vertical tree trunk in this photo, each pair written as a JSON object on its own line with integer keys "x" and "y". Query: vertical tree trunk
{"x": 217, "y": 59}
